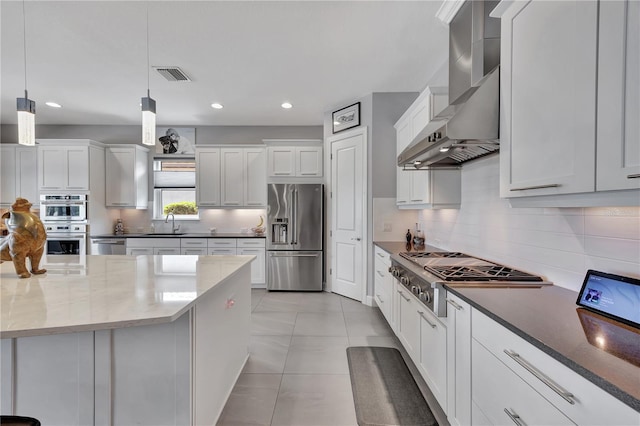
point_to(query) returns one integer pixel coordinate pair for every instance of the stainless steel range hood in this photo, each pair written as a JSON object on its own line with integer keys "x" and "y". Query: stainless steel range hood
{"x": 469, "y": 127}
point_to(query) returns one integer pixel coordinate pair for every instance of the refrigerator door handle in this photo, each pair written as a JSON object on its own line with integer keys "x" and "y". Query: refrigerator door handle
{"x": 293, "y": 255}
{"x": 294, "y": 217}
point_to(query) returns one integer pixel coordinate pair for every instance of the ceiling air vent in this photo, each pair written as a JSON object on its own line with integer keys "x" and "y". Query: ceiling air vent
{"x": 172, "y": 73}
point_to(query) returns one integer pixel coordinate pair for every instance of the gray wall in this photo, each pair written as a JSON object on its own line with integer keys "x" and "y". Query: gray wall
{"x": 132, "y": 134}
{"x": 387, "y": 109}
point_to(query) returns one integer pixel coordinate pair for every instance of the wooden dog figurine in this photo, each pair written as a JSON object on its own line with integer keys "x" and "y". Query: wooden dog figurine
{"x": 26, "y": 238}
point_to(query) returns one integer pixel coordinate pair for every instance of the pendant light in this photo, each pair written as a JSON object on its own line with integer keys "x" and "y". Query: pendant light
{"x": 26, "y": 107}
{"x": 148, "y": 105}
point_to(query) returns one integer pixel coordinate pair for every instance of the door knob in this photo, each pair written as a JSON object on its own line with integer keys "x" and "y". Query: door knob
{"x": 356, "y": 239}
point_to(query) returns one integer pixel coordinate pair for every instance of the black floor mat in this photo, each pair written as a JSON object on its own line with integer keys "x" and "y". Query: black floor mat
{"x": 384, "y": 390}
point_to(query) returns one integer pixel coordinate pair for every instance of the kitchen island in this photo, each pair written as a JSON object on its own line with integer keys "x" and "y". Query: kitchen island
{"x": 149, "y": 340}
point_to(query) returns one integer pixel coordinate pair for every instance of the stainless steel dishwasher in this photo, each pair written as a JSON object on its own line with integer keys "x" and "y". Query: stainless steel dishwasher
{"x": 108, "y": 246}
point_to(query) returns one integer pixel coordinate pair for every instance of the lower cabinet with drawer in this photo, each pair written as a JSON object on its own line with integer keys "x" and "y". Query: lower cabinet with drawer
{"x": 513, "y": 381}
{"x": 243, "y": 246}
{"x": 159, "y": 246}
{"x": 383, "y": 291}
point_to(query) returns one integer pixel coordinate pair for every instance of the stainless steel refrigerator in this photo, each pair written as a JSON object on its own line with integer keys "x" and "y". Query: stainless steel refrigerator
{"x": 295, "y": 219}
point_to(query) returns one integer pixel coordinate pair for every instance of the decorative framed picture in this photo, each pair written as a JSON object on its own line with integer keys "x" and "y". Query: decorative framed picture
{"x": 346, "y": 118}
{"x": 175, "y": 140}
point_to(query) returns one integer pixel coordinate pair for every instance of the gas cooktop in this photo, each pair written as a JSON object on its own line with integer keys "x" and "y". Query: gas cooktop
{"x": 456, "y": 266}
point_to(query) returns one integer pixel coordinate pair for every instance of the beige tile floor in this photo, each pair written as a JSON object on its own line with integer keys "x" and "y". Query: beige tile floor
{"x": 297, "y": 372}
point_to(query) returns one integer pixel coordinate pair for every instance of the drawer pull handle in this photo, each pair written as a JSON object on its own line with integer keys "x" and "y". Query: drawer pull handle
{"x": 379, "y": 300}
{"x": 514, "y": 417}
{"x": 402, "y": 294}
{"x": 380, "y": 273}
{"x": 425, "y": 318}
{"x": 553, "y": 185}
{"x": 636, "y": 176}
{"x": 454, "y": 304}
{"x": 567, "y": 396}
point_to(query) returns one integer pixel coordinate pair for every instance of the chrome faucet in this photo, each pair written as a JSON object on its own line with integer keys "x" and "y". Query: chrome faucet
{"x": 173, "y": 223}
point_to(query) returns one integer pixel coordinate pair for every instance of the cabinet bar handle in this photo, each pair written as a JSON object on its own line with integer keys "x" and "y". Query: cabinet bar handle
{"x": 454, "y": 304}
{"x": 380, "y": 254}
{"x": 380, "y": 273}
{"x": 282, "y": 173}
{"x": 402, "y": 294}
{"x": 425, "y": 318}
{"x": 513, "y": 416}
{"x": 76, "y": 187}
{"x": 567, "y": 396}
{"x": 379, "y": 300}
{"x": 636, "y": 176}
{"x": 119, "y": 204}
{"x": 552, "y": 185}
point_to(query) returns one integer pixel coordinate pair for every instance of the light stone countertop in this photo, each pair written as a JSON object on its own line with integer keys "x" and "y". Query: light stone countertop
{"x": 108, "y": 292}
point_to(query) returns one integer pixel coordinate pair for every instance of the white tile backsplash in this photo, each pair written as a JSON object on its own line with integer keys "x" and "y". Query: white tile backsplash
{"x": 386, "y": 212}
{"x": 558, "y": 243}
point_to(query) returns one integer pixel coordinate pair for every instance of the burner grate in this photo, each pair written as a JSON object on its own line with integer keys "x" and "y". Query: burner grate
{"x": 433, "y": 254}
{"x": 480, "y": 273}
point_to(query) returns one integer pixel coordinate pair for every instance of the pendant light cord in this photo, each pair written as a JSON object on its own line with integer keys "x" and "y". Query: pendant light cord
{"x": 24, "y": 41}
{"x": 148, "y": 78}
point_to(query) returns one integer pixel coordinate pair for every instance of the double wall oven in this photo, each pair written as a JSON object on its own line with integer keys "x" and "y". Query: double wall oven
{"x": 64, "y": 217}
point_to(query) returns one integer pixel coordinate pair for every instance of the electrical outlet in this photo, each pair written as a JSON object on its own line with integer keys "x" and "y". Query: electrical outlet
{"x": 386, "y": 227}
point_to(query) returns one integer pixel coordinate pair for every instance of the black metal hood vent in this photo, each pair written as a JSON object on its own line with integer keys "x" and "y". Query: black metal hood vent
{"x": 469, "y": 127}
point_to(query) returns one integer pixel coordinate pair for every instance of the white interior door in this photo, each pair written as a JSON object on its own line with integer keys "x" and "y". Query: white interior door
{"x": 348, "y": 168}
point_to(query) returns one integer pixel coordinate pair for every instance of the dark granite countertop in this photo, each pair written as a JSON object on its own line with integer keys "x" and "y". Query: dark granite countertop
{"x": 549, "y": 319}
{"x": 186, "y": 235}
{"x": 395, "y": 247}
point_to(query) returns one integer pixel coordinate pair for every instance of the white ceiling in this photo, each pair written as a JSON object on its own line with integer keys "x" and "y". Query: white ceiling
{"x": 90, "y": 56}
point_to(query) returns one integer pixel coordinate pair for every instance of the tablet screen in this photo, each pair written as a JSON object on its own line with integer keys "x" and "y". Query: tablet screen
{"x": 611, "y": 295}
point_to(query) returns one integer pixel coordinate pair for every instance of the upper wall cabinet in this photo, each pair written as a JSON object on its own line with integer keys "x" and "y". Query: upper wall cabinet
{"x": 66, "y": 165}
{"x": 19, "y": 174}
{"x": 568, "y": 92}
{"x": 618, "y": 159}
{"x": 425, "y": 188}
{"x": 207, "y": 176}
{"x": 294, "y": 158}
{"x": 127, "y": 176}
{"x": 231, "y": 176}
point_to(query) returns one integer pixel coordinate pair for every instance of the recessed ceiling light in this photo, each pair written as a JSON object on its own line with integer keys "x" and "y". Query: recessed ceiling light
{"x": 53, "y": 104}
{"x": 445, "y": 148}
{"x": 287, "y": 105}
{"x": 217, "y": 106}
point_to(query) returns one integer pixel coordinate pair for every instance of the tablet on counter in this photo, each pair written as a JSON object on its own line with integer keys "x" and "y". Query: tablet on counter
{"x": 613, "y": 296}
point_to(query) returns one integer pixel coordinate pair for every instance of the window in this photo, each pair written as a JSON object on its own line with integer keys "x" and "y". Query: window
{"x": 175, "y": 188}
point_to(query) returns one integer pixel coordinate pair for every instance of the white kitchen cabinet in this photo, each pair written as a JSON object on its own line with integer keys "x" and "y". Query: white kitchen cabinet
{"x": 19, "y": 174}
{"x": 243, "y": 246}
{"x": 618, "y": 134}
{"x": 281, "y": 161}
{"x": 421, "y": 189}
{"x": 207, "y": 176}
{"x": 127, "y": 176}
{"x": 232, "y": 177}
{"x": 294, "y": 158}
{"x": 568, "y": 126}
{"x": 159, "y": 246}
{"x": 512, "y": 373}
{"x": 63, "y": 168}
{"x": 254, "y": 172}
{"x": 72, "y": 165}
{"x": 503, "y": 397}
{"x": 243, "y": 177}
{"x": 384, "y": 285}
{"x": 433, "y": 352}
{"x": 193, "y": 246}
{"x": 136, "y": 251}
{"x": 548, "y": 87}
{"x": 458, "y": 319}
{"x": 408, "y": 325}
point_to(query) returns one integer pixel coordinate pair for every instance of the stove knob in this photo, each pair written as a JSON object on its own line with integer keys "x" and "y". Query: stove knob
{"x": 425, "y": 296}
{"x": 396, "y": 272}
{"x": 392, "y": 270}
{"x": 415, "y": 289}
{"x": 405, "y": 280}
